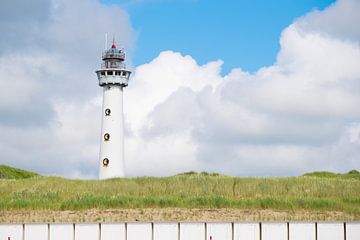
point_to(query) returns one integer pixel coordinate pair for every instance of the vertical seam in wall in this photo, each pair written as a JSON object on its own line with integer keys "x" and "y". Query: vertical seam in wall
{"x": 73, "y": 231}
{"x": 152, "y": 231}
{"x": 316, "y": 231}
{"x": 48, "y": 231}
{"x": 99, "y": 231}
{"x": 260, "y": 230}
{"x": 205, "y": 231}
{"x": 178, "y": 231}
{"x": 126, "y": 231}
{"x": 232, "y": 231}
{"x": 344, "y": 231}
{"x": 23, "y": 231}
{"x": 288, "y": 230}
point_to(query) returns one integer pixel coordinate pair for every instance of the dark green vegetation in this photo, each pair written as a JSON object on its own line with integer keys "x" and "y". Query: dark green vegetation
{"x": 353, "y": 174}
{"x": 15, "y": 173}
{"x": 320, "y": 192}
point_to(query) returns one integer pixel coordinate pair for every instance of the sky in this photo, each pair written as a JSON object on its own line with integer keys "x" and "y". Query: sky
{"x": 241, "y": 33}
{"x": 240, "y": 88}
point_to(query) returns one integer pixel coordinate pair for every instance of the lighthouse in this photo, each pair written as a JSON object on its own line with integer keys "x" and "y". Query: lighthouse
{"x": 113, "y": 78}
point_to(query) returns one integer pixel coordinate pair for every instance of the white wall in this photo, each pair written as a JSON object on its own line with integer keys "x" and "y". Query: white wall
{"x": 330, "y": 231}
{"x": 166, "y": 231}
{"x": 219, "y": 231}
{"x": 12, "y": 231}
{"x": 192, "y": 231}
{"x": 139, "y": 231}
{"x": 302, "y": 231}
{"x": 274, "y": 231}
{"x": 87, "y": 231}
{"x": 115, "y": 231}
{"x": 36, "y": 231}
{"x": 352, "y": 231}
{"x": 246, "y": 231}
{"x": 62, "y": 231}
{"x": 183, "y": 231}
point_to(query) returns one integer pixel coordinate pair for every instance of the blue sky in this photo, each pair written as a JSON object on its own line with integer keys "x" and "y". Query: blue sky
{"x": 242, "y": 33}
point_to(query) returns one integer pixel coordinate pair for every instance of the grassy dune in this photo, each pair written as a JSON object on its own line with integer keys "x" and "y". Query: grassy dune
{"x": 313, "y": 192}
{"x": 7, "y": 172}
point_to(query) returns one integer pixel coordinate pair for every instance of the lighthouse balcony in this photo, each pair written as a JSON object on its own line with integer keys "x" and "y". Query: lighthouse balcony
{"x": 117, "y": 77}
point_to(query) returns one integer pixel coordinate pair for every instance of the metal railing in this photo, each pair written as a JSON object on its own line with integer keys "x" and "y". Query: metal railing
{"x": 113, "y": 65}
{"x": 110, "y": 54}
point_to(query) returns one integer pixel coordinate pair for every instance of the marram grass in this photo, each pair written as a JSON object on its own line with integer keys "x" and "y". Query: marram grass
{"x": 210, "y": 191}
{"x": 7, "y": 172}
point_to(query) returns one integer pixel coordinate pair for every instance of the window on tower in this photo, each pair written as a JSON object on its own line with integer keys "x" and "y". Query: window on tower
{"x": 106, "y": 137}
{"x": 105, "y": 162}
{"x": 110, "y": 73}
{"x": 102, "y": 73}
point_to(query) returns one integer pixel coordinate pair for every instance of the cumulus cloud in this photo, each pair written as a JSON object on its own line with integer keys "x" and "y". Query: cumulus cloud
{"x": 300, "y": 114}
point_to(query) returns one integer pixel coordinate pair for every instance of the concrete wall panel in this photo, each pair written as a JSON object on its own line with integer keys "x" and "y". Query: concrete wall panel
{"x": 274, "y": 231}
{"x": 11, "y": 231}
{"x": 87, "y": 232}
{"x": 352, "y": 231}
{"x": 330, "y": 231}
{"x": 246, "y": 231}
{"x": 302, "y": 231}
{"x": 219, "y": 231}
{"x": 166, "y": 231}
{"x": 139, "y": 231}
{"x": 61, "y": 232}
{"x": 36, "y": 231}
{"x": 192, "y": 231}
{"x": 113, "y": 231}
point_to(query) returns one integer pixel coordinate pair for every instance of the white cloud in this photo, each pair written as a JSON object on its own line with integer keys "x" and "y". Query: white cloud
{"x": 337, "y": 21}
{"x": 154, "y": 82}
{"x": 300, "y": 114}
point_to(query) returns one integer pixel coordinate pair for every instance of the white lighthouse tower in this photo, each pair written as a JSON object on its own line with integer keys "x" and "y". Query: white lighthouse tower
{"x": 113, "y": 77}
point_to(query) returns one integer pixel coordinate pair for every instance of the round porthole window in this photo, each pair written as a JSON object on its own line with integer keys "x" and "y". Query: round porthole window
{"x": 106, "y": 162}
{"x": 106, "y": 137}
{"x": 107, "y": 112}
